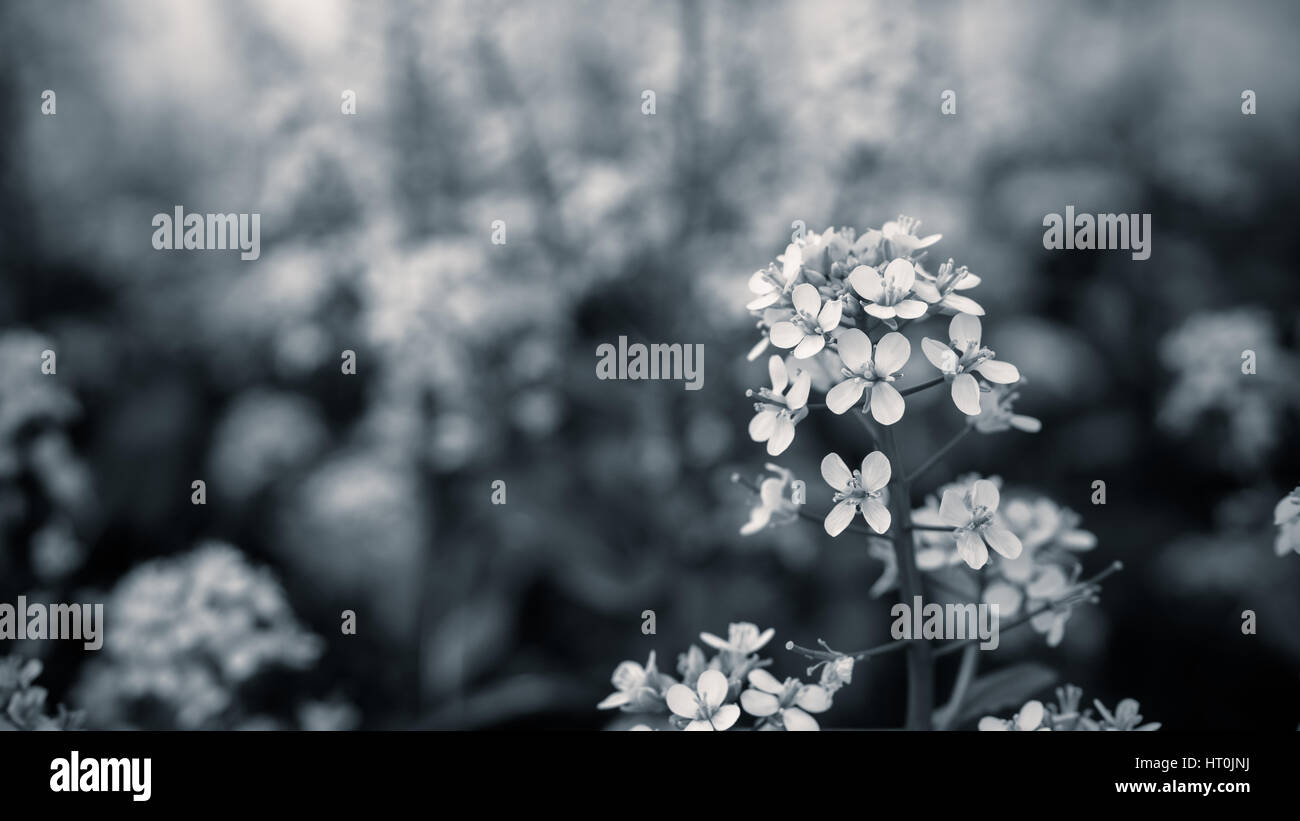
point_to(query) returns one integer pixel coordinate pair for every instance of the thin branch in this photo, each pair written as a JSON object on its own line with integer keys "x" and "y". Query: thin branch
{"x": 938, "y": 380}
{"x": 939, "y": 454}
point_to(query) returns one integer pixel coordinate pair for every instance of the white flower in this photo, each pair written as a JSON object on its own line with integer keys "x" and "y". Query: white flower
{"x": 996, "y": 414}
{"x": 1030, "y": 718}
{"x": 636, "y": 687}
{"x": 859, "y": 490}
{"x": 902, "y": 238}
{"x": 973, "y": 515}
{"x": 964, "y": 356}
{"x": 780, "y": 408}
{"x": 771, "y": 286}
{"x": 804, "y": 330}
{"x": 1287, "y": 518}
{"x": 785, "y": 705}
{"x": 703, "y": 705}
{"x": 743, "y": 638}
{"x": 889, "y": 295}
{"x": 1050, "y": 586}
{"x": 774, "y": 507}
{"x": 938, "y": 289}
{"x": 870, "y": 374}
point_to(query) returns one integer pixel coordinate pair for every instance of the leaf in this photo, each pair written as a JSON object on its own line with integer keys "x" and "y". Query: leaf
{"x": 1009, "y": 687}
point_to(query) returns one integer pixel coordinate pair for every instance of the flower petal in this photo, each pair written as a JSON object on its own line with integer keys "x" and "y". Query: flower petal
{"x": 886, "y": 403}
{"x": 798, "y": 395}
{"x": 899, "y": 275}
{"x": 892, "y": 353}
{"x": 845, "y": 395}
{"x": 614, "y": 700}
{"x": 758, "y": 703}
{"x": 995, "y": 370}
{"x": 940, "y": 355}
{"x": 839, "y": 517}
{"x": 881, "y": 311}
{"x": 777, "y": 373}
{"x": 761, "y": 302}
{"x": 814, "y": 698}
{"x": 835, "y": 472}
{"x": 791, "y": 262}
{"x": 964, "y": 330}
{"x": 786, "y": 334}
{"x": 765, "y": 681}
{"x": 953, "y": 509}
{"x": 795, "y": 721}
{"x": 992, "y": 724}
{"x": 1002, "y": 540}
{"x": 963, "y": 304}
{"x": 829, "y": 318}
{"x": 810, "y": 346}
{"x": 876, "y": 514}
{"x": 875, "y": 471}
{"x": 911, "y": 308}
{"x": 762, "y": 425}
{"x": 699, "y": 727}
{"x": 985, "y": 494}
{"x": 683, "y": 701}
{"x": 1028, "y": 424}
{"x": 966, "y": 393}
{"x": 712, "y": 688}
{"x": 867, "y": 283}
{"x": 1007, "y": 597}
{"x": 726, "y": 717}
{"x": 854, "y": 350}
{"x": 806, "y": 299}
{"x": 1030, "y": 716}
{"x": 782, "y": 435}
{"x": 971, "y": 549}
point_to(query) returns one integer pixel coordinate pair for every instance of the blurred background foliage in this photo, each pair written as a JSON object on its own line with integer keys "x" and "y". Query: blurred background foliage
{"x": 476, "y": 361}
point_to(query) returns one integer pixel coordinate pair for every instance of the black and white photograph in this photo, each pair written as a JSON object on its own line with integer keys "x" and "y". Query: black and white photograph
{"x": 508, "y": 366}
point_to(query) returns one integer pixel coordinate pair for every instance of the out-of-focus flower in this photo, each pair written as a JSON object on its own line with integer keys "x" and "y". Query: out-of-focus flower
{"x": 784, "y": 705}
{"x": 1126, "y": 717}
{"x": 871, "y": 372}
{"x": 963, "y": 357}
{"x": 857, "y": 490}
{"x": 774, "y": 506}
{"x": 771, "y": 285}
{"x": 973, "y": 515}
{"x": 996, "y": 414}
{"x": 902, "y": 238}
{"x": 938, "y": 290}
{"x": 804, "y": 330}
{"x": 1050, "y": 586}
{"x": 1029, "y": 719}
{"x": 637, "y": 688}
{"x": 743, "y": 638}
{"x": 703, "y": 706}
{"x": 780, "y": 408}
{"x": 1286, "y": 516}
{"x": 22, "y": 703}
{"x": 889, "y": 295}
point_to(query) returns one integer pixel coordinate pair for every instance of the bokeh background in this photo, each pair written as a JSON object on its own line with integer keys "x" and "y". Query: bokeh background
{"x": 476, "y": 362}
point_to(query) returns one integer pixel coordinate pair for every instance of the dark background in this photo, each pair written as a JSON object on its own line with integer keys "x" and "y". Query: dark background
{"x": 476, "y": 362}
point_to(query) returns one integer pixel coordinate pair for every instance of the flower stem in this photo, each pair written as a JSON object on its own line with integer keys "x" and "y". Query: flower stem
{"x": 938, "y": 380}
{"x": 920, "y": 664}
{"x": 938, "y": 454}
{"x": 970, "y": 662}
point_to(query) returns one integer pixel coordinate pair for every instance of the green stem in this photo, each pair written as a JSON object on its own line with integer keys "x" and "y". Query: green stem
{"x": 920, "y": 664}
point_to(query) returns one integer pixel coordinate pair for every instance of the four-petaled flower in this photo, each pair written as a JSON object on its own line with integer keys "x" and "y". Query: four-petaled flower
{"x": 787, "y": 705}
{"x": 637, "y": 688}
{"x": 771, "y": 286}
{"x": 997, "y": 414}
{"x": 857, "y": 490}
{"x": 743, "y": 638}
{"x": 780, "y": 408}
{"x": 804, "y": 330}
{"x": 703, "y": 706}
{"x": 962, "y": 358}
{"x": 889, "y": 295}
{"x": 902, "y": 238}
{"x": 872, "y": 374}
{"x": 938, "y": 289}
{"x": 1287, "y": 518}
{"x": 972, "y": 514}
{"x": 774, "y": 507}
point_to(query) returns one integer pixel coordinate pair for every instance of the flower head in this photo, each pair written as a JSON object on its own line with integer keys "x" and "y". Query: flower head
{"x": 940, "y": 289}
{"x": 963, "y": 357}
{"x": 972, "y": 514}
{"x": 771, "y": 284}
{"x": 779, "y": 408}
{"x": 809, "y": 320}
{"x": 1029, "y": 719}
{"x": 902, "y": 238}
{"x": 871, "y": 373}
{"x": 703, "y": 706}
{"x": 742, "y": 639}
{"x": 857, "y": 490}
{"x": 889, "y": 294}
{"x": 774, "y": 506}
{"x": 1126, "y": 717}
{"x": 637, "y": 688}
{"x": 996, "y": 414}
{"x": 785, "y": 705}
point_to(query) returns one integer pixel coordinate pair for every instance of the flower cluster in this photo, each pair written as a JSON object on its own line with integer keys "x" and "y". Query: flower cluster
{"x": 713, "y": 690}
{"x": 22, "y": 703}
{"x": 1065, "y": 715}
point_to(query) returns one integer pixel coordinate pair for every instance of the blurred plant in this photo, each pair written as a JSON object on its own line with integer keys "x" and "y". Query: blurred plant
{"x": 1065, "y": 715}
{"x": 191, "y": 634}
{"x": 22, "y": 704}
{"x": 1286, "y": 517}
